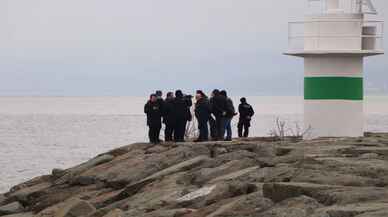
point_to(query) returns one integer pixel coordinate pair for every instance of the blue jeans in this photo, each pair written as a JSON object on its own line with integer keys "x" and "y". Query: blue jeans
{"x": 228, "y": 128}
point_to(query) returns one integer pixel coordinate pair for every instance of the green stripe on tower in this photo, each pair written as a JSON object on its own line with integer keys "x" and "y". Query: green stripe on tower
{"x": 333, "y": 88}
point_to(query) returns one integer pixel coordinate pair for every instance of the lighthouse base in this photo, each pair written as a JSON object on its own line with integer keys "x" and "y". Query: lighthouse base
{"x": 333, "y": 118}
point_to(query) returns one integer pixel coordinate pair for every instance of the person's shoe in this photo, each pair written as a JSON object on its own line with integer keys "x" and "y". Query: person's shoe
{"x": 228, "y": 139}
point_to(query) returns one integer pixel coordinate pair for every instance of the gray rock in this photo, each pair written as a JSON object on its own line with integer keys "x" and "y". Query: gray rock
{"x": 75, "y": 171}
{"x": 294, "y": 207}
{"x": 3, "y": 198}
{"x": 75, "y": 207}
{"x": 115, "y": 213}
{"x": 24, "y": 214}
{"x": 11, "y": 208}
{"x": 23, "y": 195}
{"x": 83, "y": 180}
{"x": 58, "y": 172}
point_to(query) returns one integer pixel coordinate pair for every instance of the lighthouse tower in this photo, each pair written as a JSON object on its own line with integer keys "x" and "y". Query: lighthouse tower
{"x": 334, "y": 41}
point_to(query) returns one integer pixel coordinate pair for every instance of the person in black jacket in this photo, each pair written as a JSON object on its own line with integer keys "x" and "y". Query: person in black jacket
{"x": 246, "y": 113}
{"x": 230, "y": 113}
{"x": 169, "y": 117}
{"x": 154, "y": 115}
{"x": 218, "y": 105}
{"x": 202, "y": 113}
{"x": 182, "y": 113}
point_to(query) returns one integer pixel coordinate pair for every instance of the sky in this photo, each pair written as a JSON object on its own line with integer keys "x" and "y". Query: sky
{"x": 132, "y": 47}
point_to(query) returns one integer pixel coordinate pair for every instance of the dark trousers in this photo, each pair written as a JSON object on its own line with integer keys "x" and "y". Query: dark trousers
{"x": 168, "y": 132}
{"x": 203, "y": 130}
{"x": 220, "y": 124}
{"x": 179, "y": 131}
{"x": 243, "y": 125}
{"x": 154, "y": 133}
{"x": 213, "y": 128}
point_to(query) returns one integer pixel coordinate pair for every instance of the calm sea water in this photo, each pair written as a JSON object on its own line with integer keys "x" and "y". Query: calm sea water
{"x": 38, "y": 134}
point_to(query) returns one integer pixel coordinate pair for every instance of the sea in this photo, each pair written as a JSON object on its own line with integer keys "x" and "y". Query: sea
{"x": 38, "y": 134}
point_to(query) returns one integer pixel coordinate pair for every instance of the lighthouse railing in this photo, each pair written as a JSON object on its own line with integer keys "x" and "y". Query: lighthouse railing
{"x": 310, "y": 36}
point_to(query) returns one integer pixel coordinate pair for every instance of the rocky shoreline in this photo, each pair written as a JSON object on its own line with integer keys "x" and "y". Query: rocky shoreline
{"x": 327, "y": 177}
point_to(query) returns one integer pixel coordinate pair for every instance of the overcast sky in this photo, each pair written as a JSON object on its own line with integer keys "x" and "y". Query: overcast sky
{"x": 132, "y": 47}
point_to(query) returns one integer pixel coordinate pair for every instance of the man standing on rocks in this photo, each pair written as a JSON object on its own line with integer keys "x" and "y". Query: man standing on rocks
{"x": 246, "y": 112}
{"x": 182, "y": 112}
{"x": 202, "y": 113}
{"x": 169, "y": 117}
{"x": 218, "y": 105}
{"x": 230, "y": 113}
{"x": 153, "y": 109}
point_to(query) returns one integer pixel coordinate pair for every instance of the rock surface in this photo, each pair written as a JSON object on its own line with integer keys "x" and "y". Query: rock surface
{"x": 258, "y": 177}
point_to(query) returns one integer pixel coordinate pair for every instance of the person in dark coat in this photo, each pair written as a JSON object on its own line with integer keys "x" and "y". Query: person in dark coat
{"x": 202, "y": 113}
{"x": 154, "y": 118}
{"x": 169, "y": 117}
{"x": 218, "y": 105}
{"x": 182, "y": 113}
{"x": 246, "y": 113}
{"x": 230, "y": 113}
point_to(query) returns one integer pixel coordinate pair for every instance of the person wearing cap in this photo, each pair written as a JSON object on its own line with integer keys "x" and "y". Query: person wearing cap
{"x": 153, "y": 111}
{"x": 182, "y": 112}
{"x": 246, "y": 113}
{"x": 202, "y": 113}
{"x": 169, "y": 117}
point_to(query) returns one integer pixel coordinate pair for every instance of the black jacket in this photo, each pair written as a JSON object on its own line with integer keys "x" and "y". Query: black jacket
{"x": 246, "y": 111}
{"x": 219, "y": 106}
{"x": 202, "y": 110}
{"x": 168, "y": 112}
{"x": 182, "y": 109}
{"x": 154, "y": 113}
{"x": 230, "y": 112}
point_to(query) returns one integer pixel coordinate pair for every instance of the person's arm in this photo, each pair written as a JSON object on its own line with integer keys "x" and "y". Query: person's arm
{"x": 146, "y": 108}
{"x": 252, "y": 111}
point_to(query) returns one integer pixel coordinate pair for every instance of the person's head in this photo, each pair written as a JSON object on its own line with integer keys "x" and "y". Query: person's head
{"x": 199, "y": 95}
{"x": 223, "y": 93}
{"x": 170, "y": 95}
{"x": 159, "y": 93}
{"x": 215, "y": 92}
{"x": 178, "y": 94}
{"x": 243, "y": 100}
{"x": 153, "y": 98}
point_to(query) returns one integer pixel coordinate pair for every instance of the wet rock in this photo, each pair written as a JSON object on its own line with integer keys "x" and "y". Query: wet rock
{"x": 11, "y": 208}
{"x": 75, "y": 207}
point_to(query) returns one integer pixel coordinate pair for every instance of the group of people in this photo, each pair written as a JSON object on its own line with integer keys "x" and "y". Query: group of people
{"x": 213, "y": 114}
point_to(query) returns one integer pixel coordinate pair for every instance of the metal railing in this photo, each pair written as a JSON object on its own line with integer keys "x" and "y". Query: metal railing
{"x": 369, "y": 38}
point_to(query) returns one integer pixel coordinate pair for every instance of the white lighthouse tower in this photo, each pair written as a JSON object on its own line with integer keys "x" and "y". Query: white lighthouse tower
{"x": 333, "y": 42}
